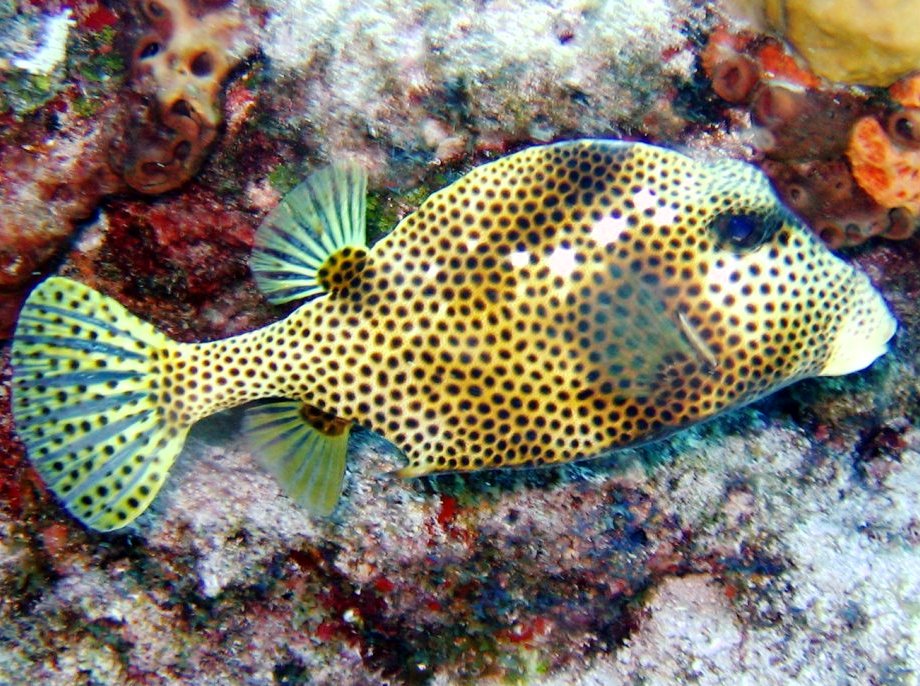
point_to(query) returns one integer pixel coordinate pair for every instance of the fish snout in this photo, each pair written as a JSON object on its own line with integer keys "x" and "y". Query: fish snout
{"x": 865, "y": 325}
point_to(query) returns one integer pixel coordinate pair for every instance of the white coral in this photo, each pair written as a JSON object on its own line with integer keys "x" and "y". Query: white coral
{"x": 52, "y": 49}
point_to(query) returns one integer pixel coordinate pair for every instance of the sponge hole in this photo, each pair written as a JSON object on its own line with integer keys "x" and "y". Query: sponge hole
{"x": 202, "y": 65}
{"x": 154, "y": 10}
{"x": 151, "y": 49}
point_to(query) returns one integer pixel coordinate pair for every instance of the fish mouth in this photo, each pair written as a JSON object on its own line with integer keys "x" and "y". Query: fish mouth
{"x": 864, "y": 332}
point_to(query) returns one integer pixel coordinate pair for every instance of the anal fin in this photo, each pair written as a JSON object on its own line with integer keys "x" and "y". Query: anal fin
{"x": 304, "y": 448}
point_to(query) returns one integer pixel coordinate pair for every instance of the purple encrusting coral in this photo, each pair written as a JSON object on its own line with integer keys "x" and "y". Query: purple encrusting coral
{"x": 779, "y": 544}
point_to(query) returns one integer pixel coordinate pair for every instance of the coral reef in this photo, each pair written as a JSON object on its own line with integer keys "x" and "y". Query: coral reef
{"x": 844, "y": 159}
{"x": 47, "y": 139}
{"x": 151, "y": 133}
{"x": 183, "y": 264}
{"x": 778, "y": 544}
{"x": 870, "y": 42}
{"x": 411, "y": 86}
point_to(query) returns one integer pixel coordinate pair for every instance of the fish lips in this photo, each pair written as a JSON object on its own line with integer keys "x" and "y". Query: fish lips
{"x": 863, "y": 334}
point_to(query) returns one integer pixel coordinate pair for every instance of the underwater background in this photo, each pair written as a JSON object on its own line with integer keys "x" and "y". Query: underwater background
{"x": 142, "y": 144}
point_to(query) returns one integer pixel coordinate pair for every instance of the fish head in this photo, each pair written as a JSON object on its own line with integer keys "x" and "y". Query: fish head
{"x": 758, "y": 288}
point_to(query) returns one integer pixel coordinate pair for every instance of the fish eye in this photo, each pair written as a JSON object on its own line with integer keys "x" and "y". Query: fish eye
{"x": 744, "y": 230}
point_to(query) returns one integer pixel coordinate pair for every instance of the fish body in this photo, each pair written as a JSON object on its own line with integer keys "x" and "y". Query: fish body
{"x": 546, "y": 307}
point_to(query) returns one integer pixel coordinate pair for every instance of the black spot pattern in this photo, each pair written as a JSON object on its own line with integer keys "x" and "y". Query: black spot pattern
{"x": 551, "y": 305}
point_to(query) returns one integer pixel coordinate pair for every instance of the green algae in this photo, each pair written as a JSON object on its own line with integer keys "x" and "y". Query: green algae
{"x": 101, "y": 68}
{"x": 386, "y": 208}
{"x": 96, "y": 68}
{"x": 24, "y": 93}
{"x": 91, "y": 65}
{"x": 86, "y": 107}
{"x": 284, "y": 178}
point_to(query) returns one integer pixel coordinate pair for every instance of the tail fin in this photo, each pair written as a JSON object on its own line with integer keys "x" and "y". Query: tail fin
{"x": 86, "y": 402}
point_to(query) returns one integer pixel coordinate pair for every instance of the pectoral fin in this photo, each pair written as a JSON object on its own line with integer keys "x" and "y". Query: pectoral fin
{"x": 631, "y": 337}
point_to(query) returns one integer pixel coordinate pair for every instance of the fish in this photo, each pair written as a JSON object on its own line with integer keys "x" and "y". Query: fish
{"x": 548, "y": 306}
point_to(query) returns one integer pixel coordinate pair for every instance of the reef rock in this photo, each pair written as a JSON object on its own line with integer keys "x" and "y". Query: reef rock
{"x": 429, "y": 79}
{"x": 869, "y": 42}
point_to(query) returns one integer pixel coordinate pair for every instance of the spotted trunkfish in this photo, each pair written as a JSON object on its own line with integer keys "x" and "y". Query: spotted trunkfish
{"x": 546, "y": 307}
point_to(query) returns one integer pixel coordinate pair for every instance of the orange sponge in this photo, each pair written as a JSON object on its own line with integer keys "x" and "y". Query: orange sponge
{"x": 885, "y": 159}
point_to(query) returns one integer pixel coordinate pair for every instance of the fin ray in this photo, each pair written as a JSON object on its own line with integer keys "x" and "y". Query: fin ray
{"x": 85, "y": 403}
{"x": 94, "y": 406}
{"x": 83, "y": 378}
{"x": 96, "y": 436}
{"x": 77, "y": 345}
{"x": 320, "y": 217}
{"x": 308, "y": 463}
{"x": 93, "y": 478}
{"x": 67, "y": 319}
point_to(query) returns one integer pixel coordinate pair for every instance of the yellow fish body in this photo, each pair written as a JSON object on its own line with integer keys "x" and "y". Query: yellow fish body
{"x": 546, "y": 307}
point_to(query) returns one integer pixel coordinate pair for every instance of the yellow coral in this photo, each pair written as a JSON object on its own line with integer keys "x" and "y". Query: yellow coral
{"x": 188, "y": 56}
{"x": 871, "y": 42}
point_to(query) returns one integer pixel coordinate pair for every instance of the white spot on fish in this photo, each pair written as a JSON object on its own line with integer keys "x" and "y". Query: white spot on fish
{"x": 432, "y": 271}
{"x": 521, "y": 258}
{"x": 608, "y": 229}
{"x": 562, "y": 262}
{"x": 666, "y": 216}
{"x": 721, "y": 274}
{"x": 645, "y": 200}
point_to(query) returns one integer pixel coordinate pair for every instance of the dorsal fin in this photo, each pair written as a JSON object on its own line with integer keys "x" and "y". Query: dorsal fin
{"x": 314, "y": 241}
